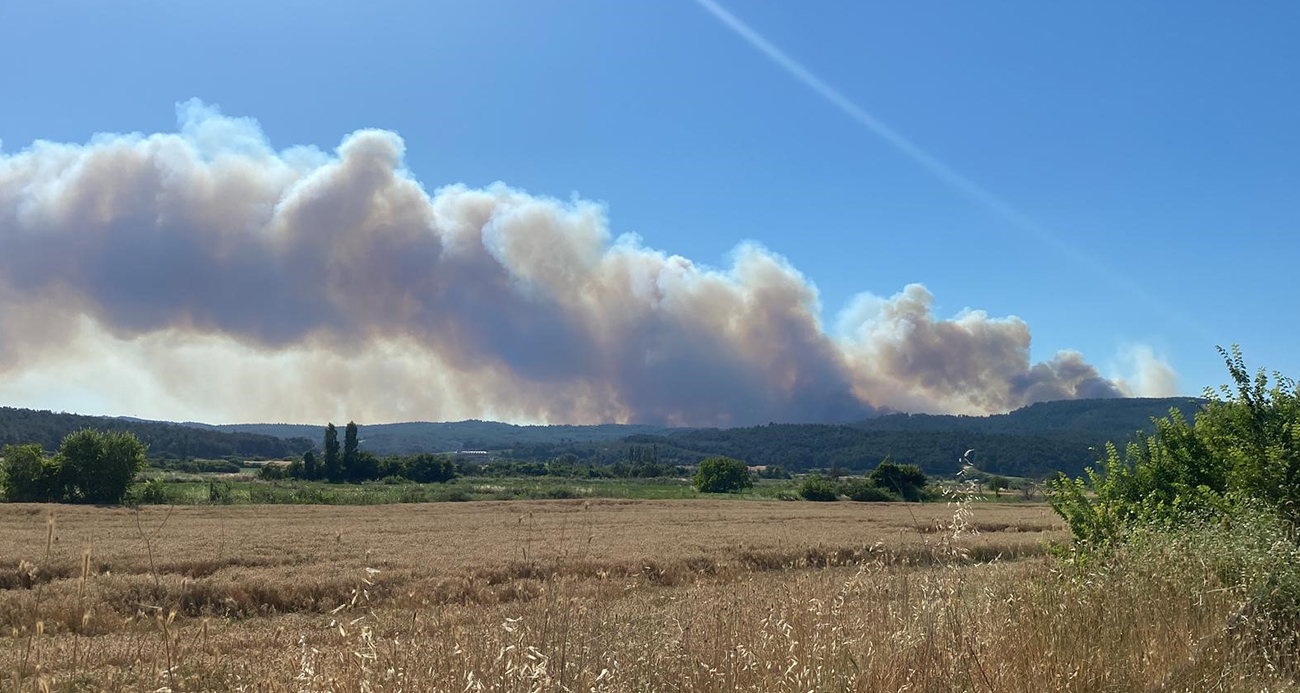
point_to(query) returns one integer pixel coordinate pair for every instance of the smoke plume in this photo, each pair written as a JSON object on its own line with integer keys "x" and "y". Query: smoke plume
{"x": 208, "y": 272}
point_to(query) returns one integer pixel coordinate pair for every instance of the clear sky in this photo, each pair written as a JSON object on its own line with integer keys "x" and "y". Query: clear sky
{"x": 1155, "y": 143}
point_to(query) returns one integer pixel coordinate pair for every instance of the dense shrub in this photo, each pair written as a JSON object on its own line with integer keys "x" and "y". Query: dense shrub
{"x": 1244, "y": 446}
{"x": 428, "y": 469}
{"x": 906, "y": 480}
{"x": 863, "y": 490}
{"x": 1251, "y": 554}
{"x": 722, "y": 475}
{"x": 151, "y": 492}
{"x": 275, "y": 472}
{"x": 220, "y": 492}
{"x": 818, "y": 488}
{"x": 30, "y": 476}
{"x": 98, "y": 467}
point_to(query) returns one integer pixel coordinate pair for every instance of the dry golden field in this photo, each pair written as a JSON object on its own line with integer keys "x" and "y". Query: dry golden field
{"x": 583, "y": 596}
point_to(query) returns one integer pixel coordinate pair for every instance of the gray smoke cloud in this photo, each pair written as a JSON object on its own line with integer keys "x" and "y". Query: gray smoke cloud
{"x": 204, "y": 264}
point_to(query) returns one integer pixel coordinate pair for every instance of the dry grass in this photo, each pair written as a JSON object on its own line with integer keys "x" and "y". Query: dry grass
{"x": 607, "y": 595}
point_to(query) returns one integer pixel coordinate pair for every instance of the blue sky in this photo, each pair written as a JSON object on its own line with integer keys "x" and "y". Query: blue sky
{"x": 1157, "y": 140}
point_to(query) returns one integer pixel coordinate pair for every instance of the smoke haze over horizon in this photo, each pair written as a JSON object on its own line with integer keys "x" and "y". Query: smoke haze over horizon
{"x": 206, "y": 273}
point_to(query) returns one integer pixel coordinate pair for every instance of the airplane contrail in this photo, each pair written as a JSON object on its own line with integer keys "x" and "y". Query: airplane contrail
{"x": 963, "y": 185}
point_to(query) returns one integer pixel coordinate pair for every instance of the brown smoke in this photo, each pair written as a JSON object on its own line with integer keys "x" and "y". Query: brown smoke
{"x": 206, "y": 264}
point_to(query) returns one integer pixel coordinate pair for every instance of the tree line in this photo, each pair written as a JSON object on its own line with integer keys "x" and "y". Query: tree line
{"x": 349, "y": 463}
{"x": 889, "y": 481}
{"x": 346, "y": 462}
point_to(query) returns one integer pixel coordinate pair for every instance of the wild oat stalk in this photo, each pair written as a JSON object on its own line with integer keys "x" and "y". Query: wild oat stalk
{"x": 148, "y": 542}
{"x": 960, "y": 498}
{"x": 37, "y": 625}
{"x": 81, "y": 603}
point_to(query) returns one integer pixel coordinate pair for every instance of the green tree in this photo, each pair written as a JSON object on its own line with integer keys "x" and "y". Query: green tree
{"x": 906, "y": 480}
{"x": 997, "y": 483}
{"x": 97, "y": 466}
{"x": 722, "y": 475}
{"x": 364, "y": 467}
{"x": 430, "y": 469}
{"x": 308, "y": 468}
{"x": 333, "y": 464}
{"x": 28, "y": 476}
{"x": 350, "y": 445}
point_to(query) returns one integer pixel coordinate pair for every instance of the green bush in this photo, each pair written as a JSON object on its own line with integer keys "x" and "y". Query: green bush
{"x": 722, "y": 475}
{"x": 220, "y": 492}
{"x": 429, "y": 469}
{"x": 151, "y": 492}
{"x": 862, "y": 490}
{"x": 818, "y": 488}
{"x": 906, "y": 480}
{"x": 29, "y": 476}
{"x": 1244, "y": 446}
{"x": 98, "y": 467}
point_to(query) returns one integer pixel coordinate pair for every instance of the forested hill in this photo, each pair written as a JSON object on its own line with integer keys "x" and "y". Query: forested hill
{"x": 19, "y": 426}
{"x": 1032, "y": 441}
{"x": 1103, "y": 419}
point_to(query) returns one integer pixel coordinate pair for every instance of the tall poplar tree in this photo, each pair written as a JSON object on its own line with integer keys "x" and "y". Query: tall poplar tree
{"x": 333, "y": 464}
{"x": 350, "y": 451}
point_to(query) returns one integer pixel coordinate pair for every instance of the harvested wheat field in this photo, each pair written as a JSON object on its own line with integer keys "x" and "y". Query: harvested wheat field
{"x": 566, "y": 596}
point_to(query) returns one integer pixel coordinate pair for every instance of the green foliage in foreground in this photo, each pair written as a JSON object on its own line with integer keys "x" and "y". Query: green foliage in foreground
{"x": 1211, "y": 503}
{"x": 1251, "y": 556}
{"x": 1243, "y": 447}
{"x": 722, "y": 475}
{"x": 90, "y": 467}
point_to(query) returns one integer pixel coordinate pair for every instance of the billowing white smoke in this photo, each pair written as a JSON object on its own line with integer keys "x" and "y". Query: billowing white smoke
{"x": 239, "y": 282}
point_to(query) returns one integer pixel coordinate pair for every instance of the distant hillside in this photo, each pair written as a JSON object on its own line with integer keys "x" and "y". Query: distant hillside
{"x": 1034, "y": 441}
{"x": 1105, "y": 419}
{"x": 422, "y": 436}
{"x": 19, "y": 426}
